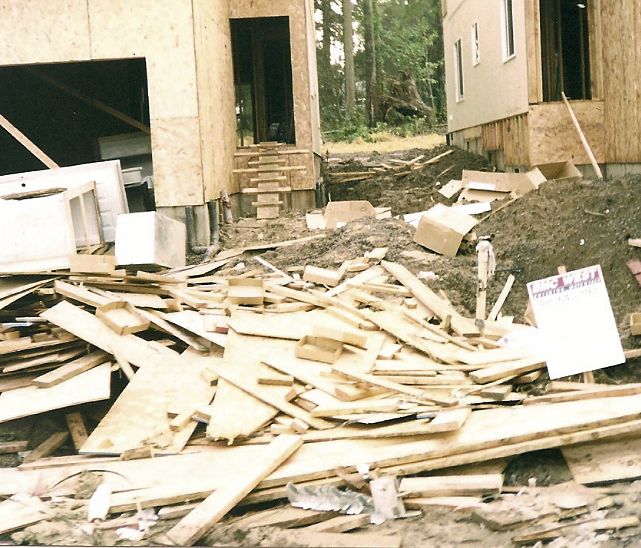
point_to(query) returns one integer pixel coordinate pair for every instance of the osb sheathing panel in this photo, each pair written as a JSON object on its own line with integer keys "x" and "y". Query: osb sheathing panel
{"x": 622, "y": 80}
{"x": 37, "y": 31}
{"x": 296, "y": 10}
{"x": 215, "y": 76}
{"x": 553, "y": 137}
{"x": 178, "y": 172}
{"x": 162, "y": 32}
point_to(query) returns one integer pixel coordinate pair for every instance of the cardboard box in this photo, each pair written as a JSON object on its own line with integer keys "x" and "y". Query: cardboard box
{"x": 339, "y": 213}
{"x": 318, "y": 349}
{"x": 516, "y": 184}
{"x": 442, "y": 229}
{"x": 560, "y": 171}
{"x": 150, "y": 239}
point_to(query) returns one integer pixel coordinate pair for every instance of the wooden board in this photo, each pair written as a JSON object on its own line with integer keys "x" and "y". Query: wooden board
{"x": 195, "y": 524}
{"x": 140, "y": 412}
{"x": 234, "y": 412}
{"x": 452, "y": 486}
{"x": 90, "y": 386}
{"x": 71, "y": 369}
{"x": 20, "y": 512}
{"x": 194, "y": 323}
{"x": 605, "y": 462}
{"x": 87, "y": 327}
{"x": 484, "y": 429}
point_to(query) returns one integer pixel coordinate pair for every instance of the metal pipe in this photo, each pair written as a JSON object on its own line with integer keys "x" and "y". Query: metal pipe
{"x": 214, "y": 232}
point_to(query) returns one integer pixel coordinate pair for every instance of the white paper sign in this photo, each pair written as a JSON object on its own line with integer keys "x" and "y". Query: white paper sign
{"x": 576, "y": 323}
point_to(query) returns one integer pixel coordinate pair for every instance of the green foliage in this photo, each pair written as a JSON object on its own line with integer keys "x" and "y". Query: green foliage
{"x": 408, "y": 36}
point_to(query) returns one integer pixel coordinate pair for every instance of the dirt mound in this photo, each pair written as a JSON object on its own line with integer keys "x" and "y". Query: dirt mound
{"x": 415, "y": 191}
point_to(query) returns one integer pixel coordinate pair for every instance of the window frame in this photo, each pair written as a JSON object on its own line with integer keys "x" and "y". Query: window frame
{"x": 476, "y": 46}
{"x": 459, "y": 78}
{"x": 507, "y": 29}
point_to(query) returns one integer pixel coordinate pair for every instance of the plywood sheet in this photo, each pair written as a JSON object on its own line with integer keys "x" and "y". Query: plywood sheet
{"x": 553, "y": 137}
{"x": 140, "y": 412}
{"x": 161, "y": 31}
{"x": 178, "y": 170}
{"x": 216, "y": 101}
{"x": 93, "y": 385}
{"x": 44, "y": 32}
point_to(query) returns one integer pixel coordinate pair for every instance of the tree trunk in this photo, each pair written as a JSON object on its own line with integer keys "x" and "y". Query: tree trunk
{"x": 371, "y": 82}
{"x": 348, "y": 46}
{"x": 326, "y": 11}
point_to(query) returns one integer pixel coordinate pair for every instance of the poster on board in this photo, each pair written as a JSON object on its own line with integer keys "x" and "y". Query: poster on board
{"x": 576, "y": 324}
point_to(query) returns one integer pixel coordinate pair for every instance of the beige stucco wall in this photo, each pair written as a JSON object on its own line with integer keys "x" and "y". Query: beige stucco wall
{"x": 494, "y": 89}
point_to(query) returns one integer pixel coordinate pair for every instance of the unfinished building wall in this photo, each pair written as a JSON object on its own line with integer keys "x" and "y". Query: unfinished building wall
{"x": 215, "y": 77}
{"x": 494, "y": 80}
{"x": 161, "y": 31}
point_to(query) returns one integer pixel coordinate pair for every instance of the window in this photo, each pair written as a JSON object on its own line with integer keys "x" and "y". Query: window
{"x": 507, "y": 19}
{"x": 458, "y": 65}
{"x": 476, "y": 52}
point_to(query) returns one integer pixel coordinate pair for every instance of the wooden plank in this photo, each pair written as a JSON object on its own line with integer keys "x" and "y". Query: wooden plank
{"x": 27, "y": 143}
{"x": 71, "y": 369}
{"x": 80, "y": 294}
{"x": 383, "y": 406}
{"x": 485, "y": 429}
{"x": 7, "y": 447}
{"x": 453, "y": 486}
{"x": 139, "y": 415}
{"x": 500, "y": 301}
{"x": 283, "y": 517}
{"x": 77, "y": 429}
{"x": 584, "y": 141}
{"x": 394, "y": 387}
{"x": 90, "y": 386}
{"x": 194, "y": 323}
{"x": 20, "y": 512}
{"x": 340, "y": 524}
{"x": 87, "y": 327}
{"x": 507, "y": 369}
{"x": 195, "y": 524}
{"x": 609, "y": 392}
{"x": 450, "y": 420}
{"x": 47, "y": 447}
{"x": 590, "y": 524}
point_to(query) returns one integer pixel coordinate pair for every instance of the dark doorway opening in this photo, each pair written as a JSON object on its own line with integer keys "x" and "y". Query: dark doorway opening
{"x": 56, "y": 106}
{"x": 565, "y": 49}
{"x": 263, "y": 78}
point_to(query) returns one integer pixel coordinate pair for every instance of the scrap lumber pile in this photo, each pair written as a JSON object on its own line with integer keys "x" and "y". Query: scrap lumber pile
{"x": 251, "y": 385}
{"x": 396, "y": 167}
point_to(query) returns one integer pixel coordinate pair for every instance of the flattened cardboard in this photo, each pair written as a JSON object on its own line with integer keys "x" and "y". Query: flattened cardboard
{"x": 337, "y": 213}
{"x": 442, "y": 229}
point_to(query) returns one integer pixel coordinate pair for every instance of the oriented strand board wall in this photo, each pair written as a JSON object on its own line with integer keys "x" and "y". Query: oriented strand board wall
{"x": 621, "y": 28}
{"x": 494, "y": 89}
{"x": 553, "y": 137}
{"x": 298, "y": 13}
{"x": 215, "y": 77}
{"x": 54, "y": 31}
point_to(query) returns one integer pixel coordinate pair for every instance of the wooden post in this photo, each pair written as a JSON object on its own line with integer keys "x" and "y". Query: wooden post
{"x": 584, "y": 141}
{"x": 27, "y": 143}
{"x": 481, "y": 293}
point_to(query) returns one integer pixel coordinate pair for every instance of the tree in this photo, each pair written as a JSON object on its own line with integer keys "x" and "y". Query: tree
{"x": 348, "y": 47}
{"x": 371, "y": 71}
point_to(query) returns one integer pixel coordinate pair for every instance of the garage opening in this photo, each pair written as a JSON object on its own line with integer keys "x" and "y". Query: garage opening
{"x": 263, "y": 79}
{"x": 565, "y": 49}
{"x": 79, "y": 113}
